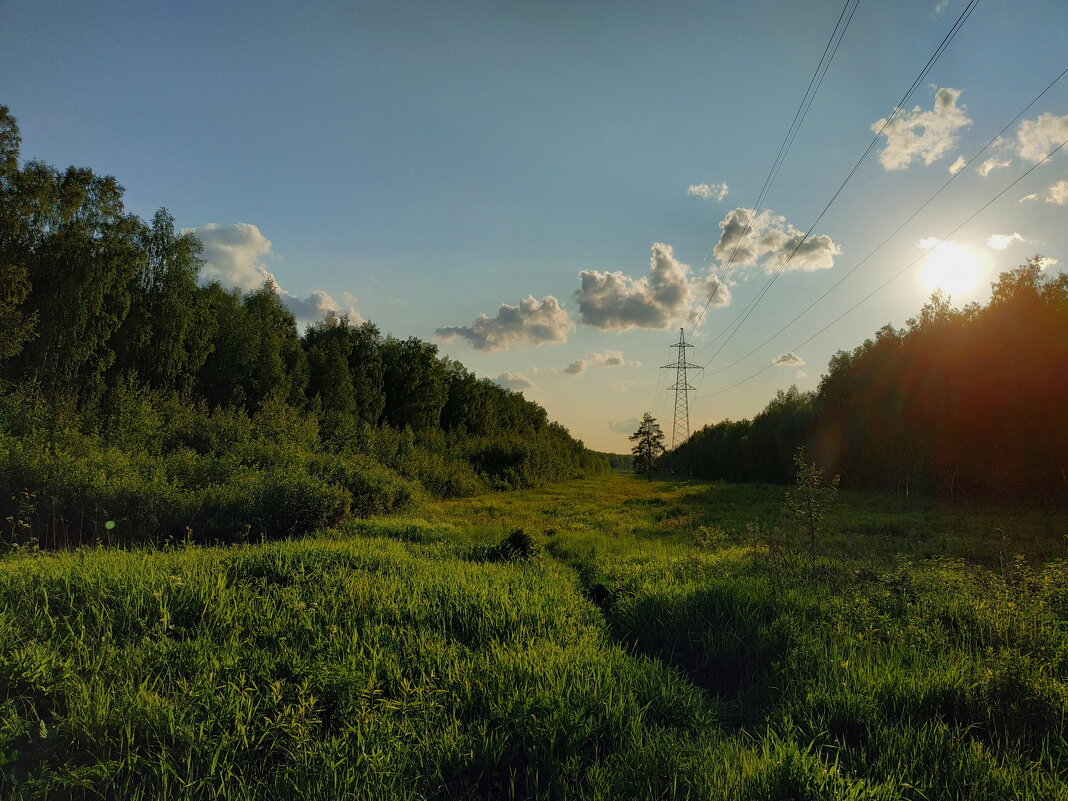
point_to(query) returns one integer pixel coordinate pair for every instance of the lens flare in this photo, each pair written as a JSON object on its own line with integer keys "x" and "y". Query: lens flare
{"x": 949, "y": 266}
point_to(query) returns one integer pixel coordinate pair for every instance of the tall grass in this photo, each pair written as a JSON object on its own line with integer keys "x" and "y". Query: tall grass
{"x": 633, "y": 648}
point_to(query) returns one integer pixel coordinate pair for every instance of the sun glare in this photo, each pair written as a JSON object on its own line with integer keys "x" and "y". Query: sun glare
{"x": 951, "y": 267}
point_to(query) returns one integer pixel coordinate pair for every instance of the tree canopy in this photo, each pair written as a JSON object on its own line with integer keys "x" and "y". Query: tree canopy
{"x": 958, "y": 402}
{"x": 648, "y": 444}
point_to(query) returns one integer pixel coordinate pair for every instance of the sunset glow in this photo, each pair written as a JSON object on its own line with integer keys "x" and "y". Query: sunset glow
{"x": 951, "y": 267}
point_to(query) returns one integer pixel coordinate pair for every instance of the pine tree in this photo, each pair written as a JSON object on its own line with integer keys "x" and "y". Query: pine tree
{"x": 648, "y": 445}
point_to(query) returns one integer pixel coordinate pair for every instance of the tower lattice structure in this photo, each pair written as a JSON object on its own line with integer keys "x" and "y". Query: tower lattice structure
{"x": 682, "y": 389}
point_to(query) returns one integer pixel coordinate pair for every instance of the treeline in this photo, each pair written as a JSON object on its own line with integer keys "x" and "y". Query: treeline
{"x": 960, "y": 402}
{"x": 136, "y": 402}
{"x": 621, "y": 462}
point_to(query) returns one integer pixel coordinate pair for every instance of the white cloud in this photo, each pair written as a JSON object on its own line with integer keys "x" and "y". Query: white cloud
{"x": 515, "y": 381}
{"x": 990, "y": 165}
{"x": 668, "y": 294}
{"x": 233, "y": 256}
{"x": 801, "y": 374}
{"x": 1036, "y": 138}
{"x": 1047, "y": 261}
{"x": 1025, "y": 198}
{"x": 610, "y": 358}
{"x": 929, "y": 242}
{"x": 717, "y": 191}
{"x": 1058, "y": 193}
{"x": 532, "y": 322}
{"x": 771, "y": 239}
{"x": 318, "y": 303}
{"x": 957, "y": 165}
{"x": 1002, "y": 241}
{"x": 924, "y": 135}
{"x": 788, "y": 360}
{"x": 628, "y": 426}
{"x": 940, "y": 7}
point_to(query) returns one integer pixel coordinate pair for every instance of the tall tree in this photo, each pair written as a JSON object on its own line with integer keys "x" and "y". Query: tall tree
{"x": 81, "y": 252}
{"x": 415, "y": 383}
{"x": 16, "y": 324}
{"x": 164, "y": 341}
{"x": 648, "y": 445}
{"x": 329, "y": 346}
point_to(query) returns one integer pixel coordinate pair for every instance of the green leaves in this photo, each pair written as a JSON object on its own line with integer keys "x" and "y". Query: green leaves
{"x": 648, "y": 444}
{"x": 810, "y": 500}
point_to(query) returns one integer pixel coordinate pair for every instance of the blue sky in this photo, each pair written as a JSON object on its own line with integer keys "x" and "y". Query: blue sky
{"x": 421, "y": 164}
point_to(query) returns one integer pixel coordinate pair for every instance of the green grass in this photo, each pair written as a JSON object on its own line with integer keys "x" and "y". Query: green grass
{"x": 671, "y": 640}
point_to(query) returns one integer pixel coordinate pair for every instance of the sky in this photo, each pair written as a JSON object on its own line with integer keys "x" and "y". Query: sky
{"x": 551, "y": 190}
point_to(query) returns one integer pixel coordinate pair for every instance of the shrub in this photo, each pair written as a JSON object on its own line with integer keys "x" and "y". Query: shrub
{"x": 374, "y": 488}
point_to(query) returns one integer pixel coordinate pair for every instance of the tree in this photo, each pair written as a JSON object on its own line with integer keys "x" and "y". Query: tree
{"x": 163, "y": 339}
{"x": 648, "y": 445}
{"x": 16, "y": 325}
{"x": 810, "y": 500}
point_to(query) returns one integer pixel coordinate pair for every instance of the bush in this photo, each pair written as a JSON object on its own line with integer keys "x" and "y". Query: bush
{"x": 374, "y": 488}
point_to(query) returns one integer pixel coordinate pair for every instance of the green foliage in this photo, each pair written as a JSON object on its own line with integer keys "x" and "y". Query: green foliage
{"x": 958, "y": 403}
{"x": 648, "y": 444}
{"x": 760, "y": 449}
{"x": 517, "y": 546}
{"x": 373, "y": 488}
{"x": 811, "y": 499}
{"x": 130, "y": 393}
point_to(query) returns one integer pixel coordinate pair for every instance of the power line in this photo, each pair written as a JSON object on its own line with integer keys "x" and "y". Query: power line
{"x": 896, "y": 275}
{"x": 814, "y": 84}
{"x": 897, "y": 230}
{"x": 871, "y": 146}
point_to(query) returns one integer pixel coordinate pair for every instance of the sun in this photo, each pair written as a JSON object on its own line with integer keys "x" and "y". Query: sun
{"x": 949, "y": 266}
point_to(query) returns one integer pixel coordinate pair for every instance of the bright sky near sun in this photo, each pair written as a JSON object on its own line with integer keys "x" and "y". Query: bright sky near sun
{"x": 549, "y": 190}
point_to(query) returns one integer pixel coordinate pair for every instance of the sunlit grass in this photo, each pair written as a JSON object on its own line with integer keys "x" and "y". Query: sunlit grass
{"x": 671, "y": 640}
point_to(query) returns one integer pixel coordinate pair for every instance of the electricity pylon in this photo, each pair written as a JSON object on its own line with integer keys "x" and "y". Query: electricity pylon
{"x": 682, "y": 389}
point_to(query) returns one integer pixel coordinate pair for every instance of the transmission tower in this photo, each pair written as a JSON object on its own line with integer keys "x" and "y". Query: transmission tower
{"x": 680, "y": 432}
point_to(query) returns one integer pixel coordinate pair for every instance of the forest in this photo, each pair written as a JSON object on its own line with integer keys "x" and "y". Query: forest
{"x": 138, "y": 403}
{"x": 959, "y": 403}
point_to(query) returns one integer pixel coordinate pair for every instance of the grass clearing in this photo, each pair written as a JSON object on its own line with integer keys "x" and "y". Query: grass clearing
{"x": 668, "y": 640}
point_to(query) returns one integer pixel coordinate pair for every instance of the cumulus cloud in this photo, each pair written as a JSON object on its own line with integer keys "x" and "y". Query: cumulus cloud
{"x": 1002, "y": 241}
{"x": 666, "y": 295}
{"x": 717, "y": 191}
{"x": 990, "y": 165}
{"x": 1047, "y": 261}
{"x": 1025, "y": 198}
{"x": 788, "y": 360}
{"x": 940, "y": 7}
{"x": 801, "y": 374}
{"x": 919, "y": 134}
{"x": 233, "y": 256}
{"x": 610, "y": 358}
{"x": 957, "y": 165}
{"x": 1058, "y": 193}
{"x": 319, "y": 303}
{"x": 1036, "y": 138}
{"x": 772, "y": 240}
{"x": 628, "y": 426}
{"x": 532, "y": 322}
{"x": 516, "y": 381}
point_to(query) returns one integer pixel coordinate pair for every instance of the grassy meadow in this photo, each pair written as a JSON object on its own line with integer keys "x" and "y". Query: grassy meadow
{"x": 639, "y": 640}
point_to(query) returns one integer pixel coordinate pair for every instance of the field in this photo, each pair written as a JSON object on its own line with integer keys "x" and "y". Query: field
{"x": 636, "y": 640}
